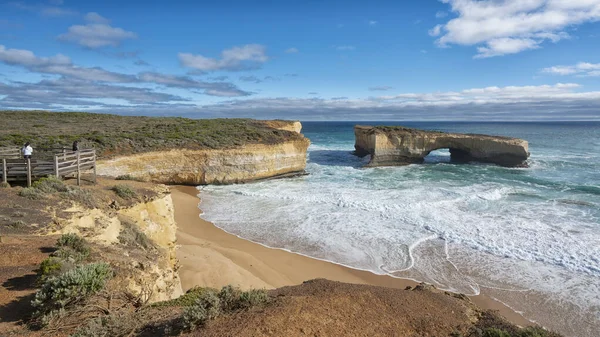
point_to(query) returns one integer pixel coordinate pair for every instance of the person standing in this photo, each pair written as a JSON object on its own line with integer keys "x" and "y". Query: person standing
{"x": 27, "y": 151}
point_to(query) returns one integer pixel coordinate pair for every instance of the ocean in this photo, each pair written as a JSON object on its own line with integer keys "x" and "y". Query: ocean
{"x": 528, "y": 237}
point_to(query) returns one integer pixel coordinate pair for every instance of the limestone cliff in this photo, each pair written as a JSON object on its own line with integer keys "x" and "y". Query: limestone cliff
{"x": 389, "y": 146}
{"x": 220, "y": 166}
{"x": 150, "y": 273}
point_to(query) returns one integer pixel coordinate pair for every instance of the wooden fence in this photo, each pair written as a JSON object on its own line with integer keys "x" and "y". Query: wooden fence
{"x": 64, "y": 164}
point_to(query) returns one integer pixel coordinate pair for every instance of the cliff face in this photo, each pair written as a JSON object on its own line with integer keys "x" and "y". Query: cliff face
{"x": 389, "y": 146}
{"x": 151, "y": 273}
{"x": 199, "y": 167}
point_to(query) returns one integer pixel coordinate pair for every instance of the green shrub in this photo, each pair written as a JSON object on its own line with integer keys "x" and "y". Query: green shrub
{"x": 18, "y": 214}
{"x": 253, "y": 297}
{"x": 31, "y": 193}
{"x": 4, "y": 185}
{"x": 207, "y": 306}
{"x": 50, "y": 185}
{"x": 230, "y": 298}
{"x": 18, "y": 223}
{"x": 107, "y": 326}
{"x": 124, "y": 191}
{"x": 74, "y": 242}
{"x": 74, "y": 286}
{"x": 53, "y": 266}
{"x": 128, "y": 177}
{"x": 130, "y": 235}
{"x": 187, "y": 299}
{"x": 493, "y": 332}
{"x": 81, "y": 196}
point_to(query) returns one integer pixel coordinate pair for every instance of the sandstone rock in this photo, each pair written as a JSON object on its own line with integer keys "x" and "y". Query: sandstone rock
{"x": 201, "y": 167}
{"x": 392, "y": 146}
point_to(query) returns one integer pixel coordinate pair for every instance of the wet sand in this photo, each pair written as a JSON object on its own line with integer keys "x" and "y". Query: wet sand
{"x": 211, "y": 257}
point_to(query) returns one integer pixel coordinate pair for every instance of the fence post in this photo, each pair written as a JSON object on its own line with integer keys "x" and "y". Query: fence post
{"x": 78, "y": 171}
{"x": 4, "y": 171}
{"x": 56, "y": 174}
{"x": 94, "y": 158}
{"x": 28, "y": 172}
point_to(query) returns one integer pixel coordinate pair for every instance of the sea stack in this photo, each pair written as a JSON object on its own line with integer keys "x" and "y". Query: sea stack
{"x": 397, "y": 146}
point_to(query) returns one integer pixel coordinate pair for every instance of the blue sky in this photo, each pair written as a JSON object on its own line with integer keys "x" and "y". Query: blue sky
{"x": 308, "y": 60}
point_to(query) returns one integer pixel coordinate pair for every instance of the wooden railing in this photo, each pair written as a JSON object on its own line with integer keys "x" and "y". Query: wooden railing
{"x": 64, "y": 164}
{"x": 10, "y": 153}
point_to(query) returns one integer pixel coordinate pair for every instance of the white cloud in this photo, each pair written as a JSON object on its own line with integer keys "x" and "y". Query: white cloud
{"x": 381, "y": 88}
{"x": 94, "y": 17}
{"x": 582, "y": 69}
{"x": 435, "y": 31}
{"x": 517, "y": 103}
{"x": 292, "y": 50}
{"x": 345, "y": 47}
{"x": 97, "y": 33}
{"x": 249, "y": 56}
{"x": 373, "y": 22}
{"x": 500, "y": 27}
{"x": 441, "y": 14}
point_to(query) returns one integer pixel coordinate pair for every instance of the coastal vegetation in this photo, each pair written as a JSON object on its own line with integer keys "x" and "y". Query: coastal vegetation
{"x": 120, "y": 135}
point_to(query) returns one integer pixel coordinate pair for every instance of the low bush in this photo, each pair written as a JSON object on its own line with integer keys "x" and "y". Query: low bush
{"x": 187, "y": 299}
{"x": 108, "y": 326}
{"x": 53, "y": 266}
{"x": 493, "y": 332}
{"x": 18, "y": 214}
{"x": 124, "y": 191}
{"x": 207, "y": 306}
{"x": 74, "y": 242}
{"x": 18, "y": 223}
{"x": 50, "y": 185}
{"x": 4, "y": 185}
{"x": 80, "y": 196}
{"x": 31, "y": 193}
{"x": 67, "y": 289}
{"x": 128, "y": 177}
{"x": 130, "y": 235}
{"x": 253, "y": 297}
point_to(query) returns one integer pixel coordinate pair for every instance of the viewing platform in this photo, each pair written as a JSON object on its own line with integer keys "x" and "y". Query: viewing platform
{"x": 55, "y": 162}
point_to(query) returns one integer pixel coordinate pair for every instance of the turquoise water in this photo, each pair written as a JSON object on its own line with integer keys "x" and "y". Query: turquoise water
{"x": 529, "y": 237}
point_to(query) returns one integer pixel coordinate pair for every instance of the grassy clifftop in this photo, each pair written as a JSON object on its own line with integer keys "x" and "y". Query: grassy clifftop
{"x": 118, "y": 135}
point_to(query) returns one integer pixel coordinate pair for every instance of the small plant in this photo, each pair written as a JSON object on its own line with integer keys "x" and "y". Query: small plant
{"x": 207, "y": 306}
{"x": 130, "y": 235}
{"x": 80, "y": 196}
{"x": 128, "y": 177}
{"x": 493, "y": 332}
{"x": 4, "y": 185}
{"x": 124, "y": 191}
{"x": 253, "y": 297}
{"x": 51, "y": 266}
{"x": 50, "y": 185}
{"x": 536, "y": 331}
{"x": 75, "y": 242}
{"x": 108, "y": 326}
{"x": 185, "y": 300}
{"x": 18, "y": 214}
{"x": 67, "y": 289}
{"x": 18, "y": 223}
{"x": 230, "y": 298}
{"x": 30, "y": 193}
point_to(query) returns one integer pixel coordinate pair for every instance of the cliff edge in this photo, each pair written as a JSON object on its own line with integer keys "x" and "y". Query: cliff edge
{"x": 394, "y": 146}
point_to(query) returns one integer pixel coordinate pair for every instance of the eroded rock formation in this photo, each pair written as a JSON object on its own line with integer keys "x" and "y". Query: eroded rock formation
{"x": 393, "y": 146}
{"x": 215, "y": 166}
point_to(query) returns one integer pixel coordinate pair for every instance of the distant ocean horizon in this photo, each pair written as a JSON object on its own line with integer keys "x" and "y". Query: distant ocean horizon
{"x": 529, "y": 237}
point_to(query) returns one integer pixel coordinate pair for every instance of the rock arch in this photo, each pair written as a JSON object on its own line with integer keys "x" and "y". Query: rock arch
{"x": 395, "y": 145}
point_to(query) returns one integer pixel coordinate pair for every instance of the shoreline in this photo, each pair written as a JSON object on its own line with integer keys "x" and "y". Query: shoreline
{"x": 212, "y": 257}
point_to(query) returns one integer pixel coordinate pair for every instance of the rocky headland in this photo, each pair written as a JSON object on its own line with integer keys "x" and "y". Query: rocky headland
{"x": 396, "y": 146}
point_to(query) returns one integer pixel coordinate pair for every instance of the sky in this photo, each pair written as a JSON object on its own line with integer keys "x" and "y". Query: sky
{"x": 472, "y": 60}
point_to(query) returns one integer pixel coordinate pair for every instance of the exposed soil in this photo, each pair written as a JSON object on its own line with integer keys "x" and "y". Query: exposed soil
{"x": 327, "y": 308}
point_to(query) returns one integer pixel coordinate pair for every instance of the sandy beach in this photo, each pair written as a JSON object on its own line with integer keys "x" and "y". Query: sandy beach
{"x": 211, "y": 257}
